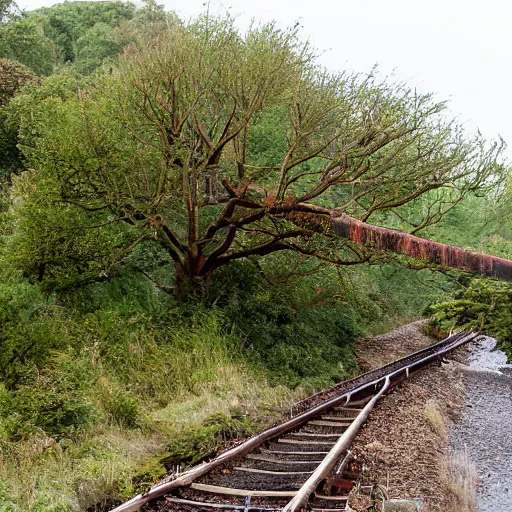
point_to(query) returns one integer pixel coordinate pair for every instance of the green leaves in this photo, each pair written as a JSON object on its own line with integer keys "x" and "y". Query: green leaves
{"x": 214, "y": 145}
{"x": 66, "y": 23}
{"x": 25, "y": 41}
{"x": 485, "y": 305}
{"x": 97, "y": 44}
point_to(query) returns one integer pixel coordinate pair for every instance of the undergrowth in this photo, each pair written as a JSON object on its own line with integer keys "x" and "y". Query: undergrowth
{"x": 485, "y": 306}
{"x": 106, "y": 388}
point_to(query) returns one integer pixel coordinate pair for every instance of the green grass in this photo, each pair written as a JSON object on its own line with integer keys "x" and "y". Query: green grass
{"x": 105, "y": 389}
{"x": 40, "y": 473}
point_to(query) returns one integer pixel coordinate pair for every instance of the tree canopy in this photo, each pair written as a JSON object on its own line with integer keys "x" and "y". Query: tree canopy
{"x": 13, "y": 77}
{"x": 81, "y": 32}
{"x": 215, "y": 146}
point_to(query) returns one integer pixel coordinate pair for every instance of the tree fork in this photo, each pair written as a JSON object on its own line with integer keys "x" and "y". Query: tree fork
{"x": 420, "y": 249}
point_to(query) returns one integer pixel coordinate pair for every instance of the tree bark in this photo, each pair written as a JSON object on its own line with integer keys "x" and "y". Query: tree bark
{"x": 190, "y": 283}
{"x": 421, "y": 249}
{"x": 193, "y": 270}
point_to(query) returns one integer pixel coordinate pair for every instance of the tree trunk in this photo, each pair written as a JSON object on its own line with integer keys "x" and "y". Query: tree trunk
{"x": 421, "y": 249}
{"x": 191, "y": 275}
{"x": 190, "y": 284}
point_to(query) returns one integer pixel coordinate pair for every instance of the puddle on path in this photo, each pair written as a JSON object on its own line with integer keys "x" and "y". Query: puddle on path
{"x": 485, "y": 429}
{"x": 485, "y": 358}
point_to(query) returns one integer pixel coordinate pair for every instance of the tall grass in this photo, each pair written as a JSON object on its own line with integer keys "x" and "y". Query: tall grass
{"x": 462, "y": 480}
{"x": 111, "y": 382}
{"x": 104, "y": 387}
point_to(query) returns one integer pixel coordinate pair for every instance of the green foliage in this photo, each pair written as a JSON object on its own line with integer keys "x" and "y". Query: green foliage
{"x": 10, "y": 156}
{"x": 486, "y": 305}
{"x": 13, "y": 76}
{"x": 85, "y": 32}
{"x": 71, "y": 250}
{"x": 267, "y": 144}
{"x": 391, "y": 294}
{"x": 150, "y": 16}
{"x": 66, "y": 23}
{"x": 123, "y": 410}
{"x": 53, "y": 399}
{"x": 30, "y": 328}
{"x": 60, "y": 245}
{"x": 97, "y": 44}
{"x": 299, "y": 331}
{"x": 25, "y": 41}
{"x": 200, "y": 442}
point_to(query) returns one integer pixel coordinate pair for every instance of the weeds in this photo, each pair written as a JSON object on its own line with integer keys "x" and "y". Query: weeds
{"x": 462, "y": 481}
{"x": 436, "y": 420}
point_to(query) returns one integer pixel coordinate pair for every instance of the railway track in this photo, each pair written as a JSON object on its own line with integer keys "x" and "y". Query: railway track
{"x": 299, "y": 463}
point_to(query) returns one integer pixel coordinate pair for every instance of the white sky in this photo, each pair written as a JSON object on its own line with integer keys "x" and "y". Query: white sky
{"x": 459, "y": 49}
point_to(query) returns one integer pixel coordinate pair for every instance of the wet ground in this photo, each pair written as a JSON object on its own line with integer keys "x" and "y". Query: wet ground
{"x": 485, "y": 428}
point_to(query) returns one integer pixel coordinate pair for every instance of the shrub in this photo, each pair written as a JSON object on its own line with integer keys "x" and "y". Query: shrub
{"x": 53, "y": 399}
{"x": 31, "y": 327}
{"x": 123, "y": 409}
{"x": 485, "y": 305}
{"x": 299, "y": 330}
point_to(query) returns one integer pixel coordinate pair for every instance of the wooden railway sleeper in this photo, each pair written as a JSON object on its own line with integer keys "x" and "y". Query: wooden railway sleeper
{"x": 360, "y": 390}
{"x": 220, "y": 506}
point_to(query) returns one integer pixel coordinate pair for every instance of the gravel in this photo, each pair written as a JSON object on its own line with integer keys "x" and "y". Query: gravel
{"x": 485, "y": 428}
{"x": 399, "y": 447}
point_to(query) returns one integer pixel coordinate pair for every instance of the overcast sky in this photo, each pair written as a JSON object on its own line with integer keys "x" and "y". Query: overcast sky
{"x": 459, "y": 49}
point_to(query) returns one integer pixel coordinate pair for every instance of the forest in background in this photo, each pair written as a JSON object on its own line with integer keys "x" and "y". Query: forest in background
{"x": 108, "y": 376}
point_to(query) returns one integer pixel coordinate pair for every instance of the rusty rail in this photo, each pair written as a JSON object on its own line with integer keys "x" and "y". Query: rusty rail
{"x": 373, "y": 383}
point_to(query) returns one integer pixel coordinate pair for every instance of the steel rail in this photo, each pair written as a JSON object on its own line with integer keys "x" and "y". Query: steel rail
{"x": 444, "y": 341}
{"x": 346, "y": 439}
{"x": 366, "y": 388}
{"x": 330, "y": 460}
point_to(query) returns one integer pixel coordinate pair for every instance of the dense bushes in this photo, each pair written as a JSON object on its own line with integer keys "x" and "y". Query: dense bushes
{"x": 53, "y": 399}
{"x": 486, "y": 305}
{"x": 84, "y": 357}
{"x": 70, "y": 361}
{"x": 32, "y": 325}
{"x": 298, "y": 330}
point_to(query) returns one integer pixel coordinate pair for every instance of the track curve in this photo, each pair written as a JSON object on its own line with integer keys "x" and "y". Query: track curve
{"x": 298, "y": 461}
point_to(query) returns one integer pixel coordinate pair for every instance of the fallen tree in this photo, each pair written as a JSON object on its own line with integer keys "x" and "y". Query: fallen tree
{"x": 421, "y": 249}
{"x": 215, "y": 146}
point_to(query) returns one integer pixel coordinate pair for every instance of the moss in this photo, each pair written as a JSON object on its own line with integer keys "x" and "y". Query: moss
{"x": 150, "y": 472}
